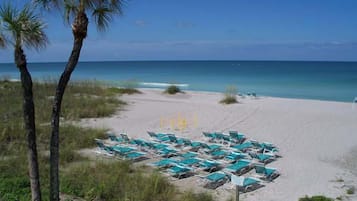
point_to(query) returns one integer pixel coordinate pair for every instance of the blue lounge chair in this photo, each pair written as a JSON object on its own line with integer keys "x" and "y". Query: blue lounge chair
{"x": 237, "y": 137}
{"x": 167, "y": 152}
{"x": 125, "y": 137}
{"x": 165, "y": 163}
{"x": 266, "y": 173}
{"x": 135, "y": 156}
{"x": 115, "y": 138}
{"x": 234, "y": 156}
{"x": 240, "y": 167}
{"x": 195, "y": 146}
{"x": 214, "y": 180}
{"x": 263, "y": 158}
{"x": 210, "y": 165}
{"x": 122, "y": 150}
{"x": 243, "y": 147}
{"x": 189, "y": 154}
{"x": 210, "y": 147}
{"x": 190, "y": 161}
{"x": 102, "y": 147}
{"x": 218, "y": 154}
{"x": 246, "y": 184}
{"x": 180, "y": 171}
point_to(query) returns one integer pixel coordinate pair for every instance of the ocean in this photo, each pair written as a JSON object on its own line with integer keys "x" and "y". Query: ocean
{"x": 334, "y": 81}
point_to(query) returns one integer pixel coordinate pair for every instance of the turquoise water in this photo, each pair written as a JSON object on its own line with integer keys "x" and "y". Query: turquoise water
{"x": 336, "y": 81}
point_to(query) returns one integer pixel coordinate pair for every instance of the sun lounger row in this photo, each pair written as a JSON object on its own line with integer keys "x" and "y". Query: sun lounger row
{"x": 224, "y": 156}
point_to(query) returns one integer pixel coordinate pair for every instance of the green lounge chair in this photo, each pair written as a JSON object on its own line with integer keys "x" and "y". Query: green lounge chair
{"x": 266, "y": 173}
{"x": 214, "y": 180}
{"x": 240, "y": 167}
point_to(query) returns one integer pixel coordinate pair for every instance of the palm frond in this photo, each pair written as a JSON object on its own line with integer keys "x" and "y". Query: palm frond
{"x": 24, "y": 27}
{"x": 104, "y": 10}
{"x": 70, "y": 9}
{"x": 48, "y": 4}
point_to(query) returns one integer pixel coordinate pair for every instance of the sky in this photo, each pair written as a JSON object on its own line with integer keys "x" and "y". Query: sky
{"x": 309, "y": 30}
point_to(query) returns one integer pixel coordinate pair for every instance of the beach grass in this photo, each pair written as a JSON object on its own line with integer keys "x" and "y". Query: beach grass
{"x": 230, "y": 95}
{"x": 114, "y": 180}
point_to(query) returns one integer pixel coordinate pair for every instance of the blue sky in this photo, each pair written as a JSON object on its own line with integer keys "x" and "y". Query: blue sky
{"x": 213, "y": 30}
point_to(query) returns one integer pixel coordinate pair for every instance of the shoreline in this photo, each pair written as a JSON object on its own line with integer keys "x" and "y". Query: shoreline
{"x": 314, "y": 137}
{"x": 193, "y": 91}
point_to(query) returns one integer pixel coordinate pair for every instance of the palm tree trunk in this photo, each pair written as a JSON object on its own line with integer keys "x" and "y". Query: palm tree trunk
{"x": 29, "y": 119}
{"x": 79, "y": 29}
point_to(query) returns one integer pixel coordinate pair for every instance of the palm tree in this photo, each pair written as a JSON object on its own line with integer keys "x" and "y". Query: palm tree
{"x": 25, "y": 28}
{"x": 102, "y": 12}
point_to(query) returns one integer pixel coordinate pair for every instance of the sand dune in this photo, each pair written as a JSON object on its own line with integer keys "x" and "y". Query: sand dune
{"x": 318, "y": 139}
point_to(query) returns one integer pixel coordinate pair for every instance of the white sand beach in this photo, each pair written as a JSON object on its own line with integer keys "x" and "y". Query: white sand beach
{"x": 317, "y": 139}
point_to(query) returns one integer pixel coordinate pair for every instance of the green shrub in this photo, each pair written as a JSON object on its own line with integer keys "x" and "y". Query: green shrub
{"x": 230, "y": 95}
{"x": 315, "y": 198}
{"x": 351, "y": 190}
{"x": 172, "y": 89}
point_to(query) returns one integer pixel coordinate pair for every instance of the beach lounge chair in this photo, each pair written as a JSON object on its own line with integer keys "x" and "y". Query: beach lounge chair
{"x": 237, "y": 137}
{"x": 243, "y": 147}
{"x": 195, "y": 146}
{"x": 122, "y": 150}
{"x": 218, "y": 154}
{"x": 210, "y": 165}
{"x": 167, "y": 152}
{"x": 210, "y": 136}
{"x": 165, "y": 163}
{"x": 160, "y": 137}
{"x": 103, "y": 149}
{"x": 157, "y": 146}
{"x": 125, "y": 137}
{"x": 210, "y": 147}
{"x": 135, "y": 156}
{"x": 115, "y": 138}
{"x": 263, "y": 158}
{"x": 246, "y": 184}
{"x": 240, "y": 167}
{"x": 214, "y": 180}
{"x": 234, "y": 156}
{"x": 180, "y": 171}
{"x": 189, "y": 154}
{"x": 190, "y": 162}
{"x": 266, "y": 173}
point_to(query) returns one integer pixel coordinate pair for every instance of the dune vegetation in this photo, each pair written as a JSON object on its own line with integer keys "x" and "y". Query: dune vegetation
{"x": 114, "y": 180}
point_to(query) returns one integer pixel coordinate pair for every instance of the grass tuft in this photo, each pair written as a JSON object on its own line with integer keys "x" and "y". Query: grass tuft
{"x": 230, "y": 95}
{"x": 172, "y": 89}
{"x": 315, "y": 198}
